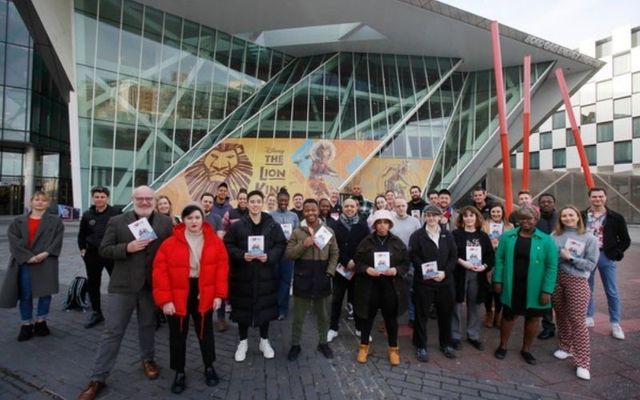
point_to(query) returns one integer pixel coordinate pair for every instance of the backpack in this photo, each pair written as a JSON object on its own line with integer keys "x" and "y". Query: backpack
{"x": 77, "y": 295}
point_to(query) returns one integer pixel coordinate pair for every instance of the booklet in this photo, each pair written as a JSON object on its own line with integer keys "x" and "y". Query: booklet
{"x": 322, "y": 237}
{"x": 415, "y": 214}
{"x": 474, "y": 255}
{"x": 381, "y": 260}
{"x": 495, "y": 230}
{"x": 335, "y": 215}
{"x": 575, "y": 247}
{"x": 429, "y": 270}
{"x": 342, "y": 270}
{"x": 255, "y": 245}
{"x": 142, "y": 229}
{"x": 287, "y": 229}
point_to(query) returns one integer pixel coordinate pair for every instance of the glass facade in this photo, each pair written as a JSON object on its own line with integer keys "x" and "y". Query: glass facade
{"x": 151, "y": 85}
{"x": 33, "y": 120}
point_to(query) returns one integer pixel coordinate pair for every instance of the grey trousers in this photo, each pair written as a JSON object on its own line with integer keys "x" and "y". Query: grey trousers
{"x": 121, "y": 307}
{"x": 473, "y": 321}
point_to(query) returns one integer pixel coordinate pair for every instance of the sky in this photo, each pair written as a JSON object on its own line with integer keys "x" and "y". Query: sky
{"x": 565, "y": 22}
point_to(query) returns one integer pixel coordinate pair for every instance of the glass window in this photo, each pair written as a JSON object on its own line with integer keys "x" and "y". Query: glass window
{"x": 622, "y": 152}
{"x": 546, "y": 141}
{"x": 636, "y": 127}
{"x": 558, "y": 120}
{"x": 3, "y": 21}
{"x": 635, "y": 37}
{"x": 622, "y": 108}
{"x": 592, "y": 154}
{"x": 588, "y": 114}
{"x": 603, "y": 48}
{"x": 2, "y": 60}
{"x": 559, "y": 158}
{"x": 604, "y": 132}
{"x": 17, "y": 31}
{"x": 15, "y": 109}
{"x": 603, "y": 90}
{"x": 513, "y": 161}
{"x": 534, "y": 160}
{"x": 621, "y": 64}
{"x": 636, "y": 82}
{"x": 569, "y": 138}
{"x": 17, "y": 66}
{"x": 11, "y": 163}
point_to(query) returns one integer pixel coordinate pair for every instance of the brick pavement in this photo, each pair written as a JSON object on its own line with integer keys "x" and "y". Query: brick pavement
{"x": 57, "y": 367}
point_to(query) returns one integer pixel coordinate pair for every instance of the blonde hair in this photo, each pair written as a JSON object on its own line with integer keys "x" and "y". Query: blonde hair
{"x": 560, "y": 227}
{"x": 40, "y": 193}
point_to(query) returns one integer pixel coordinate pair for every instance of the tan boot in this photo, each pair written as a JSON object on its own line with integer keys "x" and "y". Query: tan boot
{"x": 488, "y": 319}
{"x": 497, "y": 320}
{"x": 394, "y": 356}
{"x": 363, "y": 352}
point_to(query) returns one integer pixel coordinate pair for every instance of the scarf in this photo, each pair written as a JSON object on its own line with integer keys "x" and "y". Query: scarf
{"x": 349, "y": 222}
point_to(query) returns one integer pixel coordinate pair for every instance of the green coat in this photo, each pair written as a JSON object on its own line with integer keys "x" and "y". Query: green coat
{"x": 543, "y": 267}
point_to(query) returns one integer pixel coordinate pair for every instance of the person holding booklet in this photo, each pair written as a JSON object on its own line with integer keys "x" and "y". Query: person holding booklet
{"x": 495, "y": 226}
{"x": 381, "y": 262}
{"x": 255, "y": 245}
{"x": 475, "y": 260}
{"x": 288, "y": 221}
{"x": 190, "y": 280}
{"x": 314, "y": 251}
{"x": 349, "y": 230}
{"x": 525, "y": 277}
{"x": 578, "y": 257}
{"x": 433, "y": 255}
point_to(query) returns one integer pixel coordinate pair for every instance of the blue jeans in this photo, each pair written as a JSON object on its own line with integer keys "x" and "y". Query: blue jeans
{"x": 607, "y": 270}
{"x": 285, "y": 274}
{"x": 26, "y": 298}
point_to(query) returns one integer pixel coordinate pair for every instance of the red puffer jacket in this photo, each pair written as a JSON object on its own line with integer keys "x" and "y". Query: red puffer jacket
{"x": 171, "y": 271}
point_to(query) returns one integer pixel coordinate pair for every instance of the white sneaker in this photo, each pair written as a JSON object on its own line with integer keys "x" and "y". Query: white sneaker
{"x": 583, "y": 373}
{"x": 359, "y": 334}
{"x": 561, "y": 354}
{"x": 589, "y": 322}
{"x": 616, "y": 331}
{"x": 241, "y": 352}
{"x": 266, "y": 349}
{"x": 331, "y": 335}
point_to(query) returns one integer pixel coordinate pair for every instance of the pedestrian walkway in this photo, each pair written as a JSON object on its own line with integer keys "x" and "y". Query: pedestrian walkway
{"x": 58, "y": 366}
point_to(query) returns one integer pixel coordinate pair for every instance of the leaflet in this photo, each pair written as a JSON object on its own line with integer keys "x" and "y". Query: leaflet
{"x": 287, "y": 229}
{"x": 255, "y": 245}
{"x": 142, "y": 230}
{"x": 415, "y": 214}
{"x": 381, "y": 261}
{"x": 347, "y": 273}
{"x": 322, "y": 237}
{"x": 429, "y": 270}
{"x": 474, "y": 255}
{"x": 495, "y": 230}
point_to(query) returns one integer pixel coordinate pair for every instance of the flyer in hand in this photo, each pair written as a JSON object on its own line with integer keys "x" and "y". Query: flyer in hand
{"x": 474, "y": 255}
{"x": 255, "y": 245}
{"x": 287, "y": 229}
{"x": 495, "y": 230}
{"x": 575, "y": 247}
{"x": 342, "y": 270}
{"x": 381, "y": 261}
{"x": 322, "y": 237}
{"x": 429, "y": 270}
{"x": 142, "y": 230}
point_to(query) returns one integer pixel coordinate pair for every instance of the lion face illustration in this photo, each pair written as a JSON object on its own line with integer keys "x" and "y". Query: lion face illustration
{"x": 227, "y": 162}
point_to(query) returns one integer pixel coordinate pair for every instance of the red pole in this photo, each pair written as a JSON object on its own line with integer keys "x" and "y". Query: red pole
{"x": 502, "y": 117}
{"x": 562, "y": 84}
{"x": 526, "y": 122}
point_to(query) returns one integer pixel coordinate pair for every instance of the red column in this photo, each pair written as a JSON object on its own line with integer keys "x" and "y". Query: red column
{"x": 526, "y": 122}
{"x": 502, "y": 117}
{"x": 562, "y": 84}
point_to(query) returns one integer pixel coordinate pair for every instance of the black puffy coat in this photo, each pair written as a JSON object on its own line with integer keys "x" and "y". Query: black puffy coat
{"x": 253, "y": 286}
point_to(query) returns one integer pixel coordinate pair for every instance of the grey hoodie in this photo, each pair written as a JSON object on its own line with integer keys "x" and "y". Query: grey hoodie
{"x": 582, "y": 265}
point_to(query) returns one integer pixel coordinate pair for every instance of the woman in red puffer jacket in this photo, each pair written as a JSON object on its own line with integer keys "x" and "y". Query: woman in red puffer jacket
{"x": 190, "y": 273}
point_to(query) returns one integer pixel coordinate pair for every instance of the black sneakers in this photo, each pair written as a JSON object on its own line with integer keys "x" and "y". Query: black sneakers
{"x": 210, "y": 376}
{"x": 26, "y": 333}
{"x": 178, "y": 384}
{"x": 41, "y": 329}
{"x": 294, "y": 352}
{"x": 94, "y": 319}
{"x": 325, "y": 350}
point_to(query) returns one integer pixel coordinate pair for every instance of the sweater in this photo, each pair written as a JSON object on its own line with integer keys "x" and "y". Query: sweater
{"x": 404, "y": 227}
{"x": 581, "y": 264}
{"x": 285, "y": 217}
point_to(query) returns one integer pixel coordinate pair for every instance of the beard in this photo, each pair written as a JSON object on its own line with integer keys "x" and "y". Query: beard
{"x": 143, "y": 212}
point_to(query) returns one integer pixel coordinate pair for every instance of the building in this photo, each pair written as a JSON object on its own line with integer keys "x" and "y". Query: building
{"x": 182, "y": 94}
{"x": 608, "y": 112}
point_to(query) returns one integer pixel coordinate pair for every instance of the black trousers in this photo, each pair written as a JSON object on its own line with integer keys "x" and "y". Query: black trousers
{"x": 179, "y": 328}
{"x": 243, "y": 330}
{"x": 442, "y": 298}
{"x": 94, "y": 265}
{"x": 492, "y": 302}
{"x": 383, "y": 298}
{"x": 340, "y": 286}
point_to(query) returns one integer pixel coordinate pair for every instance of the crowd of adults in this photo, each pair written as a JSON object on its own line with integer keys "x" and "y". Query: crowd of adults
{"x": 391, "y": 254}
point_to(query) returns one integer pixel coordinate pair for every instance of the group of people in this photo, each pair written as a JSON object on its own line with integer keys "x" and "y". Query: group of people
{"x": 392, "y": 255}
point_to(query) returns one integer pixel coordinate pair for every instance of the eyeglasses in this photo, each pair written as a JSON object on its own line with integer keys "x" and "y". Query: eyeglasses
{"x": 141, "y": 199}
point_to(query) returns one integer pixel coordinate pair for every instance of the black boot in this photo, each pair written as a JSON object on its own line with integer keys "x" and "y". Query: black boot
{"x": 26, "y": 333}
{"x": 41, "y": 329}
{"x": 94, "y": 319}
{"x": 210, "y": 376}
{"x": 178, "y": 384}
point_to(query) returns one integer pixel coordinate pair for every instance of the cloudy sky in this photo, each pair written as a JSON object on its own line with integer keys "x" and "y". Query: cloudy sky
{"x": 566, "y": 22}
